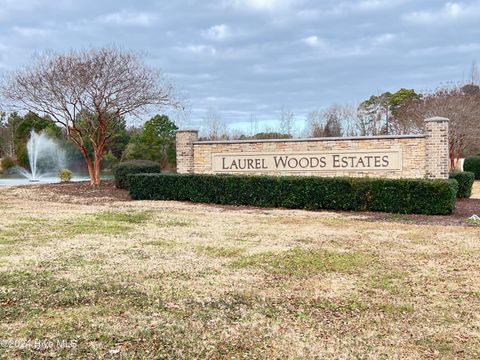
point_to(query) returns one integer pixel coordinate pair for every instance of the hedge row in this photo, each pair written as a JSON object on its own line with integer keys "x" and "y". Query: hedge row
{"x": 397, "y": 196}
{"x": 122, "y": 170}
{"x": 465, "y": 181}
{"x": 472, "y": 164}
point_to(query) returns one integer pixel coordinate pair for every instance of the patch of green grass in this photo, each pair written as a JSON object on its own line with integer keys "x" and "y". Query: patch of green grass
{"x": 107, "y": 223}
{"x": 396, "y": 308}
{"x": 218, "y": 251}
{"x": 104, "y": 223}
{"x": 172, "y": 223}
{"x": 389, "y": 281}
{"x": 6, "y": 241}
{"x": 334, "y": 221}
{"x": 305, "y": 262}
{"x": 26, "y": 294}
{"x": 473, "y": 222}
{"x": 130, "y": 217}
{"x": 182, "y": 331}
{"x": 25, "y": 230}
{"x": 475, "y": 294}
{"x": 340, "y": 306}
{"x": 88, "y": 225}
{"x": 6, "y": 206}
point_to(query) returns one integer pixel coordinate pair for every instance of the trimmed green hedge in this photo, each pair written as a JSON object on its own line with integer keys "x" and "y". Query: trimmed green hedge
{"x": 465, "y": 181}
{"x": 472, "y": 164}
{"x": 122, "y": 170}
{"x": 398, "y": 196}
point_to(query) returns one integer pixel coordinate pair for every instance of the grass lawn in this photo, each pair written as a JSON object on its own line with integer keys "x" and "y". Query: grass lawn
{"x": 147, "y": 280}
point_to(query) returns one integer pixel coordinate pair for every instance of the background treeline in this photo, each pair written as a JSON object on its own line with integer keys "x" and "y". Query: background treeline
{"x": 398, "y": 113}
{"x": 155, "y": 141}
{"x": 388, "y": 113}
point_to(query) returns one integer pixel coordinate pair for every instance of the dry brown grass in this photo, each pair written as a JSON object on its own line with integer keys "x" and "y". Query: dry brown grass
{"x": 174, "y": 280}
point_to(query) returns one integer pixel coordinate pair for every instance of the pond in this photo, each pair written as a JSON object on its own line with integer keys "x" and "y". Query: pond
{"x": 16, "y": 179}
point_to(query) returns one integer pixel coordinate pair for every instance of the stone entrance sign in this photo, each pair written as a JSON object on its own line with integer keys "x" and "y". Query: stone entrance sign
{"x": 355, "y": 160}
{"x": 405, "y": 156}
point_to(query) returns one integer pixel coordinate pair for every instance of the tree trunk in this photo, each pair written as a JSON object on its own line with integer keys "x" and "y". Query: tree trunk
{"x": 90, "y": 171}
{"x": 97, "y": 168}
{"x": 89, "y": 163}
{"x": 451, "y": 153}
{"x": 97, "y": 164}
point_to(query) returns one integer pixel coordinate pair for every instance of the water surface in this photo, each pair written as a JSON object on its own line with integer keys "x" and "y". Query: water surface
{"x": 15, "y": 179}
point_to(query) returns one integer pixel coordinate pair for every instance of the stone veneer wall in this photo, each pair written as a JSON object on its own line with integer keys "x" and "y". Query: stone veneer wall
{"x": 413, "y": 153}
{"x": 437, "y": 150}
{"x": 423, "y": 156}
{"x": 184, "y": 148}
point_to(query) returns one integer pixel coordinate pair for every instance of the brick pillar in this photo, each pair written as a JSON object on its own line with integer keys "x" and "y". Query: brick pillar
{"x": 184, "y": 146}
{"x": 436, "y": 130}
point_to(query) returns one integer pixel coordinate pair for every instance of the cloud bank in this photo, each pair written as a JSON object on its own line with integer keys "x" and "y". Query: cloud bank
{"x": 244, "y": 57}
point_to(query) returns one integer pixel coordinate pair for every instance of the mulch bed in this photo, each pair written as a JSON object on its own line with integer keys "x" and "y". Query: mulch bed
{"x": 107, "y": 192}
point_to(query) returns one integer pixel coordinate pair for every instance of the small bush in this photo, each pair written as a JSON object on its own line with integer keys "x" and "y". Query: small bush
{"x": 465, "y": 181}
{"x": 65, "y": 175}
{"x": 122, "y": 170}
{"x": 7, "y": 163}
{"x": 472, "y": 164}
{"x": 342, "y": 193}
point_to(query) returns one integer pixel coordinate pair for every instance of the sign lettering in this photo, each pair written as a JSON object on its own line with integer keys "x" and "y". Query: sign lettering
{"x": 345, "y": 160}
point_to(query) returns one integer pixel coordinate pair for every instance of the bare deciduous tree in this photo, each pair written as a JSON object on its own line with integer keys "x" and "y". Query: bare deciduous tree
{"x": 314, "y": 124}
{"x": 287, "y": 121}
{"x": 253, "y": 124}
{"x": 88, "y": 92}
{"x": 474, "y": 76}
{"x": 335, "y": 121}
{"x": 216, "y": 128}
{"x": 460, "y": 104}
{"x": 373, "y": 115}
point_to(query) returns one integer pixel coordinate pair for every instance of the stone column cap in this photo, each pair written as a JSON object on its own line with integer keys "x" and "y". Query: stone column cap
{"x": 186, "y": 130}
{"x": 437, "y": 119}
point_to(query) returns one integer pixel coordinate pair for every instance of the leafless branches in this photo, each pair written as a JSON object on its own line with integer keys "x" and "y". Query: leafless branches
{"x": 87, "y": 92}
{"x": 216, "y": 129}
{"x": 337, "y": 120}
{"x": 460, "y": 104}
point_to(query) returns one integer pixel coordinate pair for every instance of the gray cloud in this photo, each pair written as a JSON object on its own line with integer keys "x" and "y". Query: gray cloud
{"x": 255, "y": 56}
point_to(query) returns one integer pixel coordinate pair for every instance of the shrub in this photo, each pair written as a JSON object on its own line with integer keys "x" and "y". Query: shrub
{"x": 473, "y": 164}
{"x": 7, "y": 163}
{"x": 65, "y": 175}
{"x": 399, "y": 196}
{"x": 465, "y": 181}
{"x": 122, "y": 170}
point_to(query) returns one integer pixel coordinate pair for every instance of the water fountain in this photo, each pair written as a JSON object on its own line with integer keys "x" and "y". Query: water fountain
{"x": 44, "y": 156}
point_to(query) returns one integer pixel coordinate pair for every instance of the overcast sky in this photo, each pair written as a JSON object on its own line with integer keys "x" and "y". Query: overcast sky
{"x": 257, "y": 56}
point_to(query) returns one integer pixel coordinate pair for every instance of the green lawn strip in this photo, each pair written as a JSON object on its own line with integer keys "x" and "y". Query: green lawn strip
{"x": 305, "y": 262}
{"x": 25, "y": 294}
{"x": 183, "y": 325}
{"x": 41, "y": 229}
